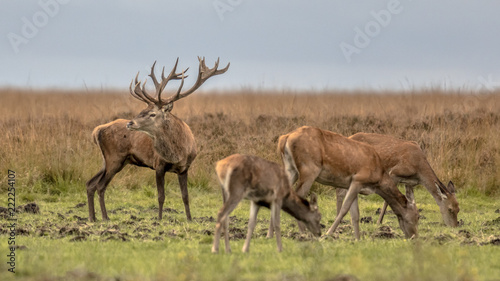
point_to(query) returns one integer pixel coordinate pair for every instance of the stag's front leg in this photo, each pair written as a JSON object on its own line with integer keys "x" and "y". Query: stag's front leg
{"x": 183, "y": 179}
{"x": 160, "y": 186}
{"x": 254, "y": 209}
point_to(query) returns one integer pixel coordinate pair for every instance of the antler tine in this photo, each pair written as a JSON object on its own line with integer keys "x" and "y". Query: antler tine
{"x": 145, "y": 94}
{"x": 204, "y": 73}
{"x": 182, "y": 83}
{"x": 171, "y": 76}
{"x": 136, "y": 90}
{"x": 153, "y": 76}
{"x": 176, "y": 76}
{"x": 132, "y": 91}
{"x": 159, "y": 86}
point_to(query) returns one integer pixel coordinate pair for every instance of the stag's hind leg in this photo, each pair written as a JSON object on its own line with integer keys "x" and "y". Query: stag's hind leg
{"x": 91, "y": 189}
{"x": 110, "y": 171}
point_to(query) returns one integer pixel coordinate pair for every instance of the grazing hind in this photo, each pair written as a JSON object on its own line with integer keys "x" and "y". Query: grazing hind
{"x": 406, "y": 163}
{"x": 311, "y": 154}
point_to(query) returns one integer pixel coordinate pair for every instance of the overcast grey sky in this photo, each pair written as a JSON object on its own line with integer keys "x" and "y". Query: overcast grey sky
{"x": 293, "y": 44}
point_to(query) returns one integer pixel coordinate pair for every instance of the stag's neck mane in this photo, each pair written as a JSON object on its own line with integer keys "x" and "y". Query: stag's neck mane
{"x": 173, "y": 140}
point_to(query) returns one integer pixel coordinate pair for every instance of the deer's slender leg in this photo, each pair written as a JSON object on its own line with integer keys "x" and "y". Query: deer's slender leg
{"x": 354, "y": 210}
{"x": 306, "y": 179}
{"x": 382, "y": 213}
{"x": 91, "y": 189}
{"x": 160, "y": 187}
{"x": 112, "y": 168}
{"x": 183, "y": 179}
{"x": 254, "y": 209}
{"x": 351, "y": 196}
{"x": 232, "y": 201}
{"x": 275, "y": 218}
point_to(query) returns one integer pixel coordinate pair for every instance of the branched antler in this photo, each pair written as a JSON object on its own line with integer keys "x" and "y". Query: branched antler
{"x": 138, "y": 91}
{"x": 203, "y": 74}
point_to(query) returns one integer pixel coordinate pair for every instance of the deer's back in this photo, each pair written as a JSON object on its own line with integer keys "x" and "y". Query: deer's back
{"x": 117, "y": 142}
{"x": 395, "y": 152}
{"x": 339, "y": 157}
{"x": 259, "y": 179}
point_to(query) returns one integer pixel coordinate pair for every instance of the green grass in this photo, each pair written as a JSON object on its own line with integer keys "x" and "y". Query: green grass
{"x": 175, "y": 249}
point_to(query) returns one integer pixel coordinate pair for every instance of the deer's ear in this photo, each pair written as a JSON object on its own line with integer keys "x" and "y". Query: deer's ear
{"x": 441, "y": 192}
{"x": 314, "y": 199}
{"x": 168, "y": 107}
{"x": 451, "y": 187}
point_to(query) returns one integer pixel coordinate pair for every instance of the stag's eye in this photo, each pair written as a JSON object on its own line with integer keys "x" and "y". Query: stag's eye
{"x": 152, "y": 115}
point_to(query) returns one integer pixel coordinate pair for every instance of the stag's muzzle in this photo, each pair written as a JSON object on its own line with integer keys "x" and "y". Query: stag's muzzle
{"x": 130, "y": 124}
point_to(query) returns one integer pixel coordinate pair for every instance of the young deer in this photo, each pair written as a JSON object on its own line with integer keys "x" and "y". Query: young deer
{"x": 311, "y": 154}
{"x": 264, "y": 183}
{"x": 406, "y": 163}
{"x": 119, "y": 147}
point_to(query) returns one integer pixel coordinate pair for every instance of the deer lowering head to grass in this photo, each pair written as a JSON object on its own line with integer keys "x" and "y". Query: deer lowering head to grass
{"x": 311, "y": 154}
{"x": 156, "y": 139}
{"x": 406, "y": 163}
{"x": 264, "y": 183}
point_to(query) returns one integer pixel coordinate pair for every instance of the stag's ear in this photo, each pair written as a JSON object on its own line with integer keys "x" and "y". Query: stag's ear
{"x": 451, "y": 187}
{"x": 167, "y": 107}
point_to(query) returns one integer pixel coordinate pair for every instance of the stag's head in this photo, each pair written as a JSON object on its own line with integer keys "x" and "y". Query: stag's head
{"x": 158, "y": 109}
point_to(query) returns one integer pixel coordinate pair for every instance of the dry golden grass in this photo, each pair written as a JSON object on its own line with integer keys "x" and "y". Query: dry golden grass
{"x": 46, "y": 134}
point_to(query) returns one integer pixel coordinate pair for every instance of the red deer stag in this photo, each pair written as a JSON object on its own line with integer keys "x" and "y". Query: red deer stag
{"x": 311, "y": 154}
{"x": 406, "y": 163}
{"x": 168, "y": 148}
{"x": 264, "y": 183}
{"x": 119, "y": 147}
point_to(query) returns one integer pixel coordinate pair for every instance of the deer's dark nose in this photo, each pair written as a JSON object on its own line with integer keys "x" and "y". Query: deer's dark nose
{"x": 129, "y": 124}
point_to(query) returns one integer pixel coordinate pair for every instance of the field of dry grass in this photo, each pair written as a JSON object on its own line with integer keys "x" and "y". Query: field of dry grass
{"x": 46, "y": 140}
{"x": 46, "y": 134}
